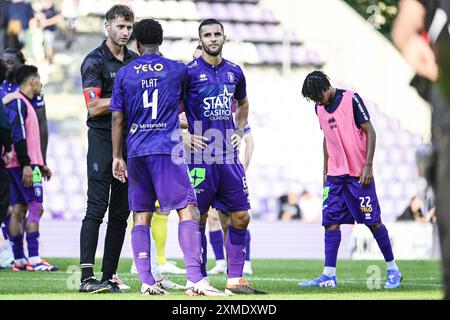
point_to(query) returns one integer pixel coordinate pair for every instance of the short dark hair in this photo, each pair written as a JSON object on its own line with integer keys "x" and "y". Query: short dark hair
{"x": 148, "y": 31}
{"x": 2, "y": 70}
{"x": 209, "y": 22}
{"x": 17, "y": 53}
{"x": 120, "y": 10}
{"x": 24, "y": 72}
{"x": 315, "y": 84}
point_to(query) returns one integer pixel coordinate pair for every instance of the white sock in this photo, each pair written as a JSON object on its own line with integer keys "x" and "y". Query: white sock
{"x": 154, "y": 260}
{"x": 391, "y": 265}
{"x": 233, "y": 281}
{"x": 20, "y": 261}
{"x": 34, "y": 260}
{"x": 329, "y": 271}
{"x": 221, "y": 263}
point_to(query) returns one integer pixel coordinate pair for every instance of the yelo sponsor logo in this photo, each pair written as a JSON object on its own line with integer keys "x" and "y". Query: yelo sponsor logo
{"x": 148, "y": 68}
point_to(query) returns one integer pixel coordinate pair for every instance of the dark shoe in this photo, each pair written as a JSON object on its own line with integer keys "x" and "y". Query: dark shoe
{"x": 242, "y": 288}
{"x": 92, "y": 285}
{"x": 112, "y": 286}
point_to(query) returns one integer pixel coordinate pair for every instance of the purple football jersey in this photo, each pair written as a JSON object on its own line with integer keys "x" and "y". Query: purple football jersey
{"x": 148, "y": 91}
{"x": 210, "y": 93}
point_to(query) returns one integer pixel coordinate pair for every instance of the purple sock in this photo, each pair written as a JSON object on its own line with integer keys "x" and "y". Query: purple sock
{"x": 216, "y": 239}
{"x": 140, "y": 242}
{"x": 332, "y": 242}
{"x": 189, "y": 239}
{"x": 5, "y": 226}
{"x": 204, "y": 252}
{"x": 235, "y": 246}
{"x": 382, "y": 237}
{"x": 33, "y": 244}
{"x": 17, "y": 246}
{"x": 247, "y": 246}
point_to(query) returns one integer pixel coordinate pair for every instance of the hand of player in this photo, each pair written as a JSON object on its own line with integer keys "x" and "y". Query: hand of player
{"x": 27, "y": 176}
{"x": 119, "y": 170}
{"x": 366, "y": 175}
{"x": 236, "y": 141}
{"x": 418, "y": 53}
{"x": 193, "y": 141}
{"x": 10, "y": 97}
{"x": 8, "y": 157}
{"x": 46, "y": 172}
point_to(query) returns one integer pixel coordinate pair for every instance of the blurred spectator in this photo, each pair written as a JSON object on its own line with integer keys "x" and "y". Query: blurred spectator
{"x": 70, "y": 12}
{"x": 51, "y": 18}
{"x": 3, "y": 23}
{"x": 413, "y": 212}
{"x": 20, "y": 14}
{"x": 289, "y": 207}
{"x": 310, "y": 207}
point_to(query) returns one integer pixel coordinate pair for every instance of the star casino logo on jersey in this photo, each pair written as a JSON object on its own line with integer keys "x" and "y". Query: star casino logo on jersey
{"x": 218, "y": 107}
{"x": 148, "y": 67}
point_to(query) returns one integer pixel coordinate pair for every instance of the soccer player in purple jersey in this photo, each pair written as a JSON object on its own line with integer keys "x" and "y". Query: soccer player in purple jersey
{"x": 26, "y": 173}
{"x": 147, "y": 92}
{"x": 349, "y": 189}
{"x": 213, "y": 83}
{"x": 13, "y": 59}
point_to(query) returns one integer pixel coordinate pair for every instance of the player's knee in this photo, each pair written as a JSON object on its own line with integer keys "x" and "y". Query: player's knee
{"x": 189, "y": 213}
{"x": 240, "y": 220}
{"x": 375, "y": 226}
{"x": 142, "y": 218}
{"x": 332, "y": 227}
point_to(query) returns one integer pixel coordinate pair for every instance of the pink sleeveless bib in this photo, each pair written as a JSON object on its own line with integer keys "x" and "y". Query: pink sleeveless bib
{"x": 346, "y": 144}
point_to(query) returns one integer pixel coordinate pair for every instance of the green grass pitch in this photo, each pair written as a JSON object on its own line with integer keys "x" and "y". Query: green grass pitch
{"x": 421, "y": 280}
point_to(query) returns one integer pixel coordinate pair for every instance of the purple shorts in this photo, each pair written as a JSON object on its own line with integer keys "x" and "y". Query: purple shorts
{"x": 157, "y": 177}
{"x": 346, "y": 201}
{"x": 19, "y": 194}
{"x": 223, "y": 186}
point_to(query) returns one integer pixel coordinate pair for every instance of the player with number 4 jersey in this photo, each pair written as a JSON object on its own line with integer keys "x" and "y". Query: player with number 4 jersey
{"x": 147, "y": 92}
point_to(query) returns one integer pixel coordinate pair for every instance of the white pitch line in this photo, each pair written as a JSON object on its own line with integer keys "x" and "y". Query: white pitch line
{"x": 350, "y": 280}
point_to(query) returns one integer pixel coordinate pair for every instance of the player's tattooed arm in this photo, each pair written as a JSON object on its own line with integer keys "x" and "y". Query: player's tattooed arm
{"x": 241, "y": 119}
{"x": 119, "y": 167}
{"x": 325, "y": 161}
{"x": 99, "y": 107}
{"x": 367, "y": 171}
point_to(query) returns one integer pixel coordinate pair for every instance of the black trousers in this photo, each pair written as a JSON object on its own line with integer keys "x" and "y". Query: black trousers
{"x": 441, "y": 178}
{"x": 4, "y": 192}
{"x": 103, "y": 191}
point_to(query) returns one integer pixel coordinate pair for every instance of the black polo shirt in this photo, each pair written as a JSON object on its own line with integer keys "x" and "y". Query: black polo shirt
{"x": 98, "y": 71}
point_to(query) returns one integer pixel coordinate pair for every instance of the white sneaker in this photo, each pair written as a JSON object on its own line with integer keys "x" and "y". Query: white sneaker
{"x": 6, "y": 256}
{"x": 247, "y": 267}
{"x": 203, "y": 288}
{"x": 120, "y": 283}
{"x": 171, "y": 268}
{"x": 167, "y": 284}
{"x": 133, "y": 269}
{"x": 153, "y": 290}
{"x": 219, "y": 268}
